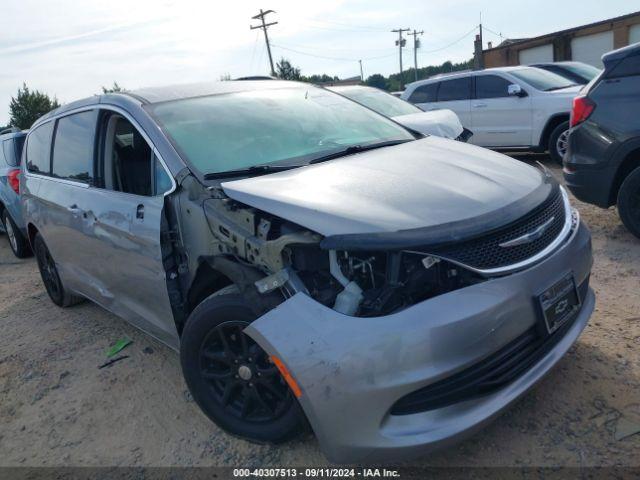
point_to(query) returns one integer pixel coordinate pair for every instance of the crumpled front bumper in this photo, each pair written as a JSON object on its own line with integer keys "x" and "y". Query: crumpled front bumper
{"x": 352, "y": 370}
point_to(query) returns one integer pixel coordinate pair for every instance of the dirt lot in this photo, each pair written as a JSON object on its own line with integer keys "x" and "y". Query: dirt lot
{"x": 57, "y": 408}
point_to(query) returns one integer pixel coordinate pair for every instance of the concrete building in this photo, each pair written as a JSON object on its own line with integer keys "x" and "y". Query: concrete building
{"x": 586, "y": 44}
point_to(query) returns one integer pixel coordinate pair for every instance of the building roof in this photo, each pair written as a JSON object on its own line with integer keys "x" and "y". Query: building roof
{"x": 510, "y": 42}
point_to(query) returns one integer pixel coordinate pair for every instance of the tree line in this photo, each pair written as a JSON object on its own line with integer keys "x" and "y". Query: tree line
{"x": 286, "y": 71}
{"x": 29, "y": 105}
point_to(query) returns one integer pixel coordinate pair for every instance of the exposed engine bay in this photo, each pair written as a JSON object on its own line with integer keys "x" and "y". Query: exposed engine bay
{"x": 363, "y": 284}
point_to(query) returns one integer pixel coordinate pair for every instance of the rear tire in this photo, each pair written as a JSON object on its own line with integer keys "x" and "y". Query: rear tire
{"x": 17, "y": 242}
{"x": 558, "y": 142}
{"x": 231, "y": 378}
{"x": 629, "y": 202}
{"x": 49, "y": 273}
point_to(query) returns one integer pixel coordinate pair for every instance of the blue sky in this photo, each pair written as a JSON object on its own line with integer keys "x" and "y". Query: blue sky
{"x": 70, "y": 48}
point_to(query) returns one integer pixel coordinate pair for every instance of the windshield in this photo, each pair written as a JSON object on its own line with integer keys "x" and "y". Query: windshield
{"x": 377, "y": 100}
{"x": 240, "y": 130}
{"x": 541, "y": 79}
{"x": 587, "y": 72}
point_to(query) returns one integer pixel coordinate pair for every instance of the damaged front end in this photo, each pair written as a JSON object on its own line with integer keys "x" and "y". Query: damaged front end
{"x": 355, "y": 283}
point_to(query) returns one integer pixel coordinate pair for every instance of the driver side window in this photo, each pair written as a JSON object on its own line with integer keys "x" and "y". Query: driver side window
{"x": 129, "y": 164}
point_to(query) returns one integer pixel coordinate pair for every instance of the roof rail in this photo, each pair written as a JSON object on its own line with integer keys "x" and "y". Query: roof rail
{"x": 10, "y": 130}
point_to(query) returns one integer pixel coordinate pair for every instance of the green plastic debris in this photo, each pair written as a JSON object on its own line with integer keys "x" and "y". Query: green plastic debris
{"x": 119, "y": 346}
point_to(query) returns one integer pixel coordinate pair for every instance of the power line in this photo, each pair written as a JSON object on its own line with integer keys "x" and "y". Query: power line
{"x": 452, "y": 43}
{"x": 264, "y": 26}
{"x": 344, "y": 59}
{"x": 323, "y": 48}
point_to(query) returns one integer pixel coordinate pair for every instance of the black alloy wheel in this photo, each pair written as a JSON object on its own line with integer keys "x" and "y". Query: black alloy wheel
{"x": 241, "y": 375}
{"x": 231, "y": 378}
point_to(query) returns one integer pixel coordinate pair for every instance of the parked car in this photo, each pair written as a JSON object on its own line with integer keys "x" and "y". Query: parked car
{"x": 602, "y": 165}
{"x": 442, "y": 123}
{"x": 11, "y": 142}
{"x": 577, "y": 72}
{"x": 312, "y": 260}
{"x": 508, "y": 108}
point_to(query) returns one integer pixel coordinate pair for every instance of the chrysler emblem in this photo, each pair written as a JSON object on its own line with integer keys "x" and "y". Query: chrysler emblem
{"x": 529, "y": 236}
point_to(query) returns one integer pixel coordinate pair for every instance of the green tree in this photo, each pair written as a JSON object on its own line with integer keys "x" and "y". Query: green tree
{"x": 115, "y": 88}
{"x": 378, "y": 81}
{"x": 28, "y": 106}
{"x": 324, "y": 78}
{"x": 286, "y": 71}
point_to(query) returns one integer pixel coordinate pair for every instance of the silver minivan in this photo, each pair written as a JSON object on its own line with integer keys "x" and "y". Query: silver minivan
{"x": 315, "y": 263}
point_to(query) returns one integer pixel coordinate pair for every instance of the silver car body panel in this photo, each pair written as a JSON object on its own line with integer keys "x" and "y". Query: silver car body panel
{"x": 439, "y": 181}
{"x": 441, "y": 123}
{"x": 102, "y": 250}
{"x": 352, "y": 370}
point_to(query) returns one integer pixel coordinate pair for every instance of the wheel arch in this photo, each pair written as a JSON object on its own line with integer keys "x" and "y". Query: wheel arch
{"x": 630, "y": 162}
{"x": 217, "y": 272}
{"x": 32, "y": 230}
{"x": 551, "y": 124}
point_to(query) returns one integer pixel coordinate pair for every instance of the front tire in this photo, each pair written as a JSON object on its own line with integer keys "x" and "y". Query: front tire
{"x": 231, "y": 377}
{"x": 49, "y": 273}
{"x": 558, "y": 142}
{"x": 629, "y": 202}
{"x": 17, "y": 242}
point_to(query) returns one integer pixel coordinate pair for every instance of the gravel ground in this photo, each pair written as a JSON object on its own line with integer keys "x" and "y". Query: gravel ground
{"x": 57, "y": 408}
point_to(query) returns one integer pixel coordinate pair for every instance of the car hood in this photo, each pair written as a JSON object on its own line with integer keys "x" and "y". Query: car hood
{"x": 423, "y": 183}
{"x": 442, "y": 123}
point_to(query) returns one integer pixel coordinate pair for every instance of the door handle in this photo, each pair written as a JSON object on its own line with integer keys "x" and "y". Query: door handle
{"x": 140, "y": 212}
{"x": 479, "y": 105}
{"x": 74, "y": 209}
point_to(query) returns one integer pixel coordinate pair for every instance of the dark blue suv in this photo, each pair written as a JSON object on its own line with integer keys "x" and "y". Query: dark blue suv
{"x": 11, "y": 143}
{"x": 602, "y": 164}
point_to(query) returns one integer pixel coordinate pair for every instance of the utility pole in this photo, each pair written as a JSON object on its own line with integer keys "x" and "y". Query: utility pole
{"x": 416, "y": 45}
{"x": 361, "y": 74}
{"x": 264, "y": 26}
{"x": 401, "y": 43}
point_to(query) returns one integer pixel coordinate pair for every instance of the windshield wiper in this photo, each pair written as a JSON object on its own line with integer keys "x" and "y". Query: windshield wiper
{"x": 254, "y": 170}
{"x": 356, "y": 149}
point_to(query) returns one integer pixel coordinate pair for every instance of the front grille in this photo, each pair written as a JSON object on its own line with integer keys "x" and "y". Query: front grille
{"x": 485, "y": 252}
{"x": 488, "y": 375}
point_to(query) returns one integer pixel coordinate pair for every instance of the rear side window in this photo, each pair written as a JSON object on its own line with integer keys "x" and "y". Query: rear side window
{"x": 39, "y": 149}
{"x": 424, "y": 93}
{"x": 491, "y": 86}
{"x": 457, "y": 89}
{"x": 628, "y": 67}
{"x": 73, "y": 147}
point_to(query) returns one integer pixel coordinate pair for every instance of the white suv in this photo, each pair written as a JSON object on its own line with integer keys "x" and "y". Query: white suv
{"x": 506, "y": 108}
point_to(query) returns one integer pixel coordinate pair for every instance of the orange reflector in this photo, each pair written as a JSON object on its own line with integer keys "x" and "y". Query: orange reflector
{"x": 287, "y": 376}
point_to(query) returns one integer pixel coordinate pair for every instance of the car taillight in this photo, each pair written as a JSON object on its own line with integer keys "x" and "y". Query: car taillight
{"x": 14, "y": 180}
{"x": 582, "y": 108}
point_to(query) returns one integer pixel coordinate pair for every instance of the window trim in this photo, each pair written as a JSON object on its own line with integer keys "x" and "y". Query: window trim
{"x": 99, "y": 106}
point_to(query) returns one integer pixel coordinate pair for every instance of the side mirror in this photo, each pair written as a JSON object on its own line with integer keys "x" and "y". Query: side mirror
{"x": 516, "y": 91}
